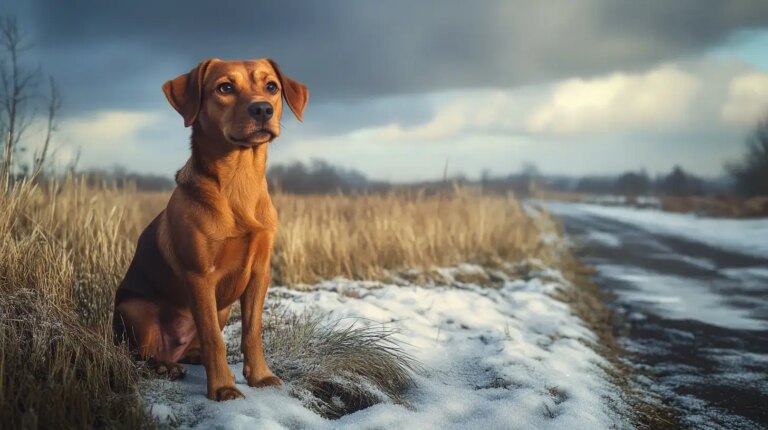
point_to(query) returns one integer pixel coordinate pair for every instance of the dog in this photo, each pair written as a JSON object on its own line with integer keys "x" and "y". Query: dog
{"x": 211, "y": 246}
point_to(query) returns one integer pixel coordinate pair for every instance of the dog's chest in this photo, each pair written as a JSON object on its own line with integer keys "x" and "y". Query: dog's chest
{"x": 251, "y": 214}
{"x": 234, "y": 264}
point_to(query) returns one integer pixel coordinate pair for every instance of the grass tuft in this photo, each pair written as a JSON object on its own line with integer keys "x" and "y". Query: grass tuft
{"x": 335, "y": 367}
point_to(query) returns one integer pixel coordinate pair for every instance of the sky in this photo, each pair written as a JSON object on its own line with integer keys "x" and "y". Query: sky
{"x": 402, "y": 89}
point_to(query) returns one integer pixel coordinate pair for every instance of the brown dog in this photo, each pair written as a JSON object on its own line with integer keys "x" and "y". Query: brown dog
{"x": 212, "y": 243}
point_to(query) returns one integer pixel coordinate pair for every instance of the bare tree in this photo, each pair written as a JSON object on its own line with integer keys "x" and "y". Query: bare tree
{"x": 16, "y": 85}
{"x": 54, "y": 105}
{"x": 750, "y": 174}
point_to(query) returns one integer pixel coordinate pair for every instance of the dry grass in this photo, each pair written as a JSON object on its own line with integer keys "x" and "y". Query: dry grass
{"x": 65, "y": 247}
{"x": 720, "y": 206}
{"x": 362, "y": 237}
{"x": 61, "y": 256}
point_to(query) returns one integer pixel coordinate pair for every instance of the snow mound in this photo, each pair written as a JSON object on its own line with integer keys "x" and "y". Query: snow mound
{"x": 511, "y": 357}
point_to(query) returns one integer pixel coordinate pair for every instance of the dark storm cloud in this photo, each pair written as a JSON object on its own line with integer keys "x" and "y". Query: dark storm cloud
{"x": 116, "y": 54}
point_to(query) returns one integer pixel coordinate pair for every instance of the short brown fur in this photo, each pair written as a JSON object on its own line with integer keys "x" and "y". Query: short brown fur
{"x": 212, "y": 244}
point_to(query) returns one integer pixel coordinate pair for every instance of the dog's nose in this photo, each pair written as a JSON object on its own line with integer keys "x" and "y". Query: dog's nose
{"x": 260, "y": 111}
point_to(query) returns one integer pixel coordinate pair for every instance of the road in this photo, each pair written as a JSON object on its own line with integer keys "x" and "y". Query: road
{"x": 693, "y": 317}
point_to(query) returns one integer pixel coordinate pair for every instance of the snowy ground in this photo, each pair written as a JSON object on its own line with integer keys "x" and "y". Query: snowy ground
{"x": 747, "y": 236}
{"x": 494, "y": 358}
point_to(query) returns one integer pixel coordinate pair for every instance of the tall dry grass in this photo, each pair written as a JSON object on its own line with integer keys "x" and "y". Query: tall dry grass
{"x": 64, "y": 248}
{"x": 62, "y": 251}
{"x": 363, "y": 237}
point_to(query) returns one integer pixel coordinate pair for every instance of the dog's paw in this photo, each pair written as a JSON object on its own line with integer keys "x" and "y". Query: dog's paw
{"x": 269, "y": 381}
{"x": 260, "y": 379}
{"x": 171, "y": 370}
{"x": 226, "y": 393}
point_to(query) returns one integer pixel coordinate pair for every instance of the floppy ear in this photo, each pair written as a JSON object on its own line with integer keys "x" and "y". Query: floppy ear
{"x": 185, "y": 93}
{"x": 296, "y": 94}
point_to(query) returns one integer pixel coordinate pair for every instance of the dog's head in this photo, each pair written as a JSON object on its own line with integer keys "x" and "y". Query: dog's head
{"x": 238, "y": 101}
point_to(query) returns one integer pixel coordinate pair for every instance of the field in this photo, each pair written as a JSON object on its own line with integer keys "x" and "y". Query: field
{"x": 65, "y": 247}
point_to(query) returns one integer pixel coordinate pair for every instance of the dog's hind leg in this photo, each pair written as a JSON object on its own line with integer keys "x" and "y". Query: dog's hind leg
{"x": 155, "y": 333}
{"x": 193, "y": 354}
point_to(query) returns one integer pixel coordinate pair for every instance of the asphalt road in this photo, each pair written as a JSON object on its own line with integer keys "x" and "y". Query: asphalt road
{"x": 693, "y": 317}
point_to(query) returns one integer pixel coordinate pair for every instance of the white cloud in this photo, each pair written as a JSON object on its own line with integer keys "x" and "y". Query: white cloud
{"x": 455, "y": 114}
{"x": 101, "y": 139}
{"x": 655, "y": 119}
{"x": 447, "y": 122}
{"x": 144, "y": 141}
{"x": 663, "y": 98}
{"x": 747, "y": 99}
{"x": 108, "y": 126}
{"x": 617, "y": 102}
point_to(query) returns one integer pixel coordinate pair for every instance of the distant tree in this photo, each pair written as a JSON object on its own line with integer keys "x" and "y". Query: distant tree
{"x": 16, "y": 85}
{"x": 17, "y": 90}
{"x": 750, "y": 175}
{"x": 596, "y": 184}
{"x": 530, "y": 170}
{"x": 485, "y": 177}
{"x": 316, "y": 178}
{"x": 680, "y": 183}
{"x": 119, "y": 176}
{"x": 633, "y": 183}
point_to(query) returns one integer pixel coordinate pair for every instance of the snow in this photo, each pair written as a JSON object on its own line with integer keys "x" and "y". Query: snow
{"x": 681, "y": 298}
{"x": 614, "y": 200}
{"x": 747, "y": 236}
{"x": 494, "y": 358}
{"x": 603, "y": 238}
{"x": 749, "y": 277}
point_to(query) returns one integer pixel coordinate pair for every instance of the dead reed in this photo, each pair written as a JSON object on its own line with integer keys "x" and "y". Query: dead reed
{"x": 363, "y": 237}
{"x": 61, "y": 254}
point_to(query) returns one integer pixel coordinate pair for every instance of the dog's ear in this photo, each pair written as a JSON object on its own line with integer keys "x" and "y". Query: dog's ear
{"x": 185, "y": 93}
{"x": 296, "y": 94}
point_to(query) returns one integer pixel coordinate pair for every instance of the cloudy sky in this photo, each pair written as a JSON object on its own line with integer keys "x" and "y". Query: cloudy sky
{"x": 400, "y": 88}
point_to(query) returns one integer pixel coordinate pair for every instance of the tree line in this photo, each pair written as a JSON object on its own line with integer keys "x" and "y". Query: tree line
{"x": 750, "y": 174}
{"x": 747, "y": 176}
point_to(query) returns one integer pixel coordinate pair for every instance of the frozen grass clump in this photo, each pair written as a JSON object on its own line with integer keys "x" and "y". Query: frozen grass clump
{"x": 55, "y": 373}
{"x": 334, "y": 367}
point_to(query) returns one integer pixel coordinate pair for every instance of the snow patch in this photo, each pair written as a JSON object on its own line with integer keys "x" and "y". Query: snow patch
{"x": 603, "y": 238}
{"x": 680, "y": 298}
{"x": 747, "y": 236}
{"x": 511, "y": 357}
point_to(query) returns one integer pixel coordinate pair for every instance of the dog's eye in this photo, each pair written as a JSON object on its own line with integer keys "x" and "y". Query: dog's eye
{"x": 272, "y": 87}
{"x": 225, "y": 88}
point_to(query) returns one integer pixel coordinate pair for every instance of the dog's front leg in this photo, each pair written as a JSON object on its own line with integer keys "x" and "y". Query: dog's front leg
{"x": 255, "y": 368}
{"x": 221, "y": 383}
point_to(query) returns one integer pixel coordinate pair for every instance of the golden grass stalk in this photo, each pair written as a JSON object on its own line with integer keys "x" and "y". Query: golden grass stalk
{"x": 363, "y": 237}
